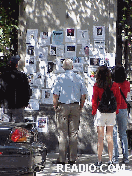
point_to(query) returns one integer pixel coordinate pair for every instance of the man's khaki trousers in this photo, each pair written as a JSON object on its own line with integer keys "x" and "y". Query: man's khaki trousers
{"x": 68, "y": 118}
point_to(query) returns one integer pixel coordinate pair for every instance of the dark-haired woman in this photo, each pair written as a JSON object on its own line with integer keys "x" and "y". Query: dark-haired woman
{"x": 119, "y": 76}
{"x": 103, "y": 80}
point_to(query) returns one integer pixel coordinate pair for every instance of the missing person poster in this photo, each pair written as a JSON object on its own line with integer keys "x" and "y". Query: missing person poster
{"x": 82, "y": 36}
{"x": 47, "y": 96}
{"x": 31, "y": 37}
{"x": 39, "y": 79}
{"x": 42, "y": 124}
{"x": 70, "y": 50}
{"x": 53, "y": 50}
{"x": 70, "y": 35}
{"x": 30, "y": 64}
{"x": 43, "y": 53}
{"x": 99, "y": 32}
{"x": 57, "y": 38}
{"x": 44, "y": 38}
{"x": 60, "y": 50}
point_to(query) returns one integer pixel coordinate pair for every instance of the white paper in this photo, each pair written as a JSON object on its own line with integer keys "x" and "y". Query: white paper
{"x": 110, "y": 59}
{"x": 31, "y": 79}
{"x": 70, "y": 35}
{"x": 60, "y": 50}
{"x": 44, "y": 38}
{"x": 82, "y": 36}
{"x": 36, "y": 93}
{"x": 70, "y": 50}
{"x": 43, "y": 53}
{"x": 39, "y": 79}
{"x": 47, "y": 96}
{"x": 87, "y": 49}
{"x": 42, "y": 66}
{"x": 33, "y": 105}
{"x": 57, "y": 38}
{"x": 41, "y": 124}
{"x": 30, "y": 50}
{"x": 31, "y": 37}
{"x": 53, "y": 50}
{"x": 77, "y": 67}
{"x": 30, "y": 64}
{"x": 50, "y": 80}
{"x": 99, "y": 32}
{"x": 99, "y": 46}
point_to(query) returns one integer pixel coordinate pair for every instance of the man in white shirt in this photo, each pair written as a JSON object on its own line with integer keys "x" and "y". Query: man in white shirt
{"x": 69, "y": 95}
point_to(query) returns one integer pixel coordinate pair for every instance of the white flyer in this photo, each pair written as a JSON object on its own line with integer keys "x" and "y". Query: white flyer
{"x": 44, "y": 38}
{"x": 42, "y": 124}
{"x": 82, "y": 36}
{"x": 70, "y": 50}
{"x": 31, "y": 37}
{"x": 70, "y": 35}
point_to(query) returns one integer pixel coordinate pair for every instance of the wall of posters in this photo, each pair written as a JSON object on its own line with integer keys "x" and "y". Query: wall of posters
{"x": 57, "y": 38}
{"x": 44, "y": 58}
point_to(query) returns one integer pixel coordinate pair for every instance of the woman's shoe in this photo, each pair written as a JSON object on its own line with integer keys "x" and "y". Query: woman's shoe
{"x": 98, "y": 164}
{"x": 110, "y": 163}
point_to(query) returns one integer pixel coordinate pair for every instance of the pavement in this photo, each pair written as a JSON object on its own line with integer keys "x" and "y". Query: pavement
{"x": 85, "y": 166}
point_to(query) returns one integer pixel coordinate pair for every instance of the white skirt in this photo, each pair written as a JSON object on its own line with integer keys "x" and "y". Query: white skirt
{"x": 102, "y": 119}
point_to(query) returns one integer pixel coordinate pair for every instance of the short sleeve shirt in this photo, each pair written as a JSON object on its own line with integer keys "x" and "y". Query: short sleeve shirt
{"x": 125, "y": 87}
{"x": 69, "y": 86}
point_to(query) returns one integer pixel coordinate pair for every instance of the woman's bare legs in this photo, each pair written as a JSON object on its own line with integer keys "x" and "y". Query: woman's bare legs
{"x": 100, "y": 130}
{"x": 109, "y": 136}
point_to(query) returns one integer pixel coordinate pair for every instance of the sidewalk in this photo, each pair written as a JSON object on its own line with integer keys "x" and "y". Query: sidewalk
{"x": 85, "y": 166}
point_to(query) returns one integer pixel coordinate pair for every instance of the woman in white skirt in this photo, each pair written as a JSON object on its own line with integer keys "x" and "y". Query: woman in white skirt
{"x": 103, "y": 80}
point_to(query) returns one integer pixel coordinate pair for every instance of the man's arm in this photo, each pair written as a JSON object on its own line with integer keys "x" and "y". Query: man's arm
{"x": 55, "y": 101}
{"x": 82, "y": 101}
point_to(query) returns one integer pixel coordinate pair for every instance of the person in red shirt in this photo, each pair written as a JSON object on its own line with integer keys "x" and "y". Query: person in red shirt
{"x": 119, "y": 76}
{"x": 103, "y": 80}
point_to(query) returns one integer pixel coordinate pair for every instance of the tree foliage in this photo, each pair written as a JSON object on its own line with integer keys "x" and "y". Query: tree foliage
{"x": 9, "y": 12}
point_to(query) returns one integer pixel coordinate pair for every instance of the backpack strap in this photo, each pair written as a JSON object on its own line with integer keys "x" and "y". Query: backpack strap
{"x": 123, "y": 96}
{"x": 128, "y": 104}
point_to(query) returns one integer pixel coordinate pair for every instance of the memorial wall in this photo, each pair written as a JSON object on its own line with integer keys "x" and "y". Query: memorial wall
{"x": 52, "y": 30}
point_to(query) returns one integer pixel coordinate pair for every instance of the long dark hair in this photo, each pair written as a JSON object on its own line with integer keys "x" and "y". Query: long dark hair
{"x": 103, "y": 77}
{"x": 119, "y": 74}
